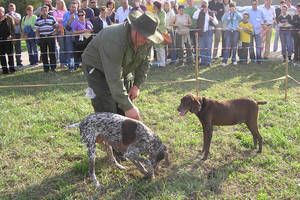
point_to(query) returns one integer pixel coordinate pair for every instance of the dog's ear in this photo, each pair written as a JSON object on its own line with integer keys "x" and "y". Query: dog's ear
{"x": 196, "y": 105}
{"x": 128, "y": 131}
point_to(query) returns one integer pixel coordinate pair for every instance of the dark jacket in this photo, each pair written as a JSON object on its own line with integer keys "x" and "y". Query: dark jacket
{"x": 7, "y": 28}
{"x": 98, "y": 24}
{"x": 201, "y": 21}
{"x": 218, "y": 8}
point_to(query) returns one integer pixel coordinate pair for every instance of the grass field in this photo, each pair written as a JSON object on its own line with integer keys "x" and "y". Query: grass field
{"x": 42, "y": 160}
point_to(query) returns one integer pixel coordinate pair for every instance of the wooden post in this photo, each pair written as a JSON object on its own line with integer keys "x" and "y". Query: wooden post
{"x": 197, "y": 63}
{"x": 286, "y": 78}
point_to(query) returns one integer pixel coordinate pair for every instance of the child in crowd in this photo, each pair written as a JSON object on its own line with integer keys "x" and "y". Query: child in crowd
{"x": 246, "y": 30}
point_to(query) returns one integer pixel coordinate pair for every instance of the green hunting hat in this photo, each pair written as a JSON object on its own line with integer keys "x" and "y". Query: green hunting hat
{"x": 146, "y": 24}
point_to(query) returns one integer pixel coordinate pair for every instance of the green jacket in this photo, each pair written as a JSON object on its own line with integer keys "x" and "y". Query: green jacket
{"x": 111, "y": 52}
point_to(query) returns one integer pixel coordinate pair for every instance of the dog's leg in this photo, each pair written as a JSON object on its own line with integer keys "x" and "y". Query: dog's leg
{"x": 112, "y": 158}
{"x": 252, "y": 126}
{"x": 207, "y": 131}
{"x": 92, "y": 156}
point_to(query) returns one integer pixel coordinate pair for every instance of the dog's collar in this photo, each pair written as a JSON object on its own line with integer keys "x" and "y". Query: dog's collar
{"x": 203, "y": 104}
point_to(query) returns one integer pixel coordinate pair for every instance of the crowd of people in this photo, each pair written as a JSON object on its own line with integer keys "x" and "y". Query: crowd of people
{"x": 62, "y": 32}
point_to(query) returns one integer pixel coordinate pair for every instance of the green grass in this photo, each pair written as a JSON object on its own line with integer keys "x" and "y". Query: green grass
{"x": 39, "y": 159}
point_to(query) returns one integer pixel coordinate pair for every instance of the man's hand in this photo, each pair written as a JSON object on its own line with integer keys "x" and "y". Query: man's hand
{"x": 133, "y": 113}
{"x": 134, "y": 92}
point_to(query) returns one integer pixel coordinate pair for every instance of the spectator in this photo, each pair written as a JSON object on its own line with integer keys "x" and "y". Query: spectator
{"x": 149, "y": 6}
{"x": 190, "y": 10}
{"x": 291, "y": 10}
{"x": 28, "y": 31}
{"x": 160, "y": 49}
{"x": 46, "y": 26}
{"x": 296, "y": 24}
{"x": 88, "y": 11}
{"x": 6, "y": 47}
{"x": 182, "y": 22}
{"x": 17, "y": 21}
{"x": 111, "y": 6}
{"x": 94, "y": 6}
{"x": 37, "y": 12}
{"x": 82, "y": 29}
{"x": 102, "y": 21}
{"x": 269, "y": 17}
{"x": 246, "y": 30}
{"x": 217, "y": 7}
{"x": 123, "y": 11}
{"x": 257, "y": 20}
{"x": 68, "y": 18}
{"x": 277, "y": 13}
{"x": 58, "y": 14}
{"x": 231, "y": 22}
{"x": 138, "y": 6}
{"x": 285, "y": 33}
{"x": 174, "y": 6}
{"x": 206, "y": 22}
{"x": 170, "y": 16}
{"x": 226, "y": 9}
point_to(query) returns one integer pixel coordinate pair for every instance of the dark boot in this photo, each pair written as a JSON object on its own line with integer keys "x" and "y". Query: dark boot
{"x": 12, "y": 69}
{"x": 4, "y": 70}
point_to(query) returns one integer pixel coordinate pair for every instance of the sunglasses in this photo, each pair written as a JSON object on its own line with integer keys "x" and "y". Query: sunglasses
{"x": 80, "y": 15}
{"x": 92, "y": 2}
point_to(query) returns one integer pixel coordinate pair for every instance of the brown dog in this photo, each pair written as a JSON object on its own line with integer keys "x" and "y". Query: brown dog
{"x": 218, "y": 113}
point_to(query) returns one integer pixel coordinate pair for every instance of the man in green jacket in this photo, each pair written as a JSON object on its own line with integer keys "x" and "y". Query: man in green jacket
{"x": 116, "y": 62}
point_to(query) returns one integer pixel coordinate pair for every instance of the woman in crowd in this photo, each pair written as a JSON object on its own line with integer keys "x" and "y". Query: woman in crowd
{"x": 102, "y": 21}
{"x": 160, "y": 48}
{"x": 82, "y": 29}
{"x": 58, "y": 14}
{"x": 226, "y": 9}
{"x": 182, "y": 22}
{"x": 111, "y": 6}
{"x": 170, "y": 15}
{"x": 285, "y": 33}
{"x": 28, "y": 31}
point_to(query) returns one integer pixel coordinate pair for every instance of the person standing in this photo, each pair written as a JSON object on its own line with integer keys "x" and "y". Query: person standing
{"x": 7, "y": 31}
{"x": 231, "y": 22}
{"x": 206, "y": 22}
{"x": 257, "y": 20}
{"x": 28, "y": 32}
{"x": 217, "y": 7}
{"x": 94, "y": 6}
{"x": 111, "y": 6}
{"x": 160, "y": 48}
{"x": 276, "y": 37}
{"x": 296, "y": 34}
{"x": 89, "y": 13}
{"x": 58, "y": 14}
{"x": 123, "y": 11}
{"x": 68, "y": 18}
{"x": 102, "y": 21}
{"x": 190, "y": 9}
{"x": 285, "y": 33}
{"x": 17, "y": 43}
{"x": 170, "y": 16}
{"x": 46, "y": 26}
{"x": 269, "y": 16}
{"x": 246, "y": 30}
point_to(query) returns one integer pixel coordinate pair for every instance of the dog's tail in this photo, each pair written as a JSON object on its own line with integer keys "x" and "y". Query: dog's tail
{"x": 261, "y": 102}
{"x": 72, "y": 125}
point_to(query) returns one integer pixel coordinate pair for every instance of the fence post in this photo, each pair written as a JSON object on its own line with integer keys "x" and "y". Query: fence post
{"x": 286, "y": 77}
{"x": 197, "y": 63}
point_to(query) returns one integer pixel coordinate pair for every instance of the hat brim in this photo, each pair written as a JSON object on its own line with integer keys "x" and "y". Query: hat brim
{"x": 156, "y": 37}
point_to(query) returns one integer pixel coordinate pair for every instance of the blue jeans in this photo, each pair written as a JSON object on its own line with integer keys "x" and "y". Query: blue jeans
{"x": 61, "y": 52}
{"x": 286, "y": 42}
{"x": 68, "y": 48}
{"x": 32, "y": 51}
{"x": 172, "y": 47}
{"x": 205, "y": 41}
{"x": 231, "y": 42}
{"x": 256, "y": 56}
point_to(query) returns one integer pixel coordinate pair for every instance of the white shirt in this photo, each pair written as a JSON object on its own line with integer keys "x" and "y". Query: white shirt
{"x": 268, "y": 14}
{"x": 104, "y": 23}
{"x": 121, "y": 14}
{"x": 169, "y": 19}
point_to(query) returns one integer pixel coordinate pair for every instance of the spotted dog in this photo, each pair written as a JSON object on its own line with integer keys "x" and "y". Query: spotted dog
{"x": 125, "y": 135}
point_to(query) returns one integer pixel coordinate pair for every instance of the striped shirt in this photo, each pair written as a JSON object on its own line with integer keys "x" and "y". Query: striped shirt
{"x": 46, "y": 26}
